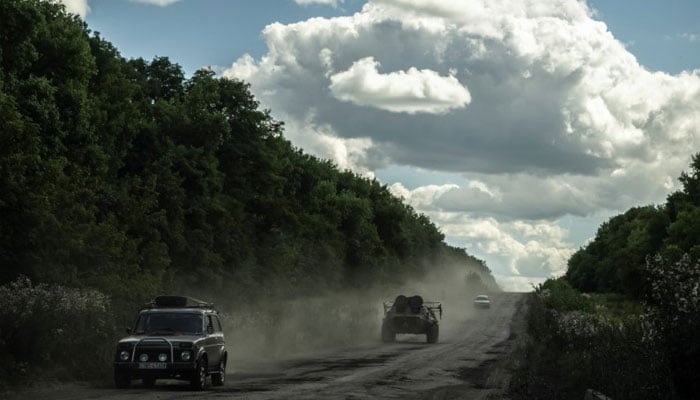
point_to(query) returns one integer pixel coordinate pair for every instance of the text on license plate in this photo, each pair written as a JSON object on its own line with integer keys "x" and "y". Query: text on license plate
{"x": 153, "y": 365}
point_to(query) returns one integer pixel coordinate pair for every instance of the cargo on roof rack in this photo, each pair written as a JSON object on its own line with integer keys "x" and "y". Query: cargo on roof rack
{"x": 178, "y": 301}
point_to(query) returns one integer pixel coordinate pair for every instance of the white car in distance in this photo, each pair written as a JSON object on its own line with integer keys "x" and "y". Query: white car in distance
{"x": 482, "y": 301}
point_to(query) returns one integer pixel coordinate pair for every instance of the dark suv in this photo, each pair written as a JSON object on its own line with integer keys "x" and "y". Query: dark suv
{"x": 174, "y": 337}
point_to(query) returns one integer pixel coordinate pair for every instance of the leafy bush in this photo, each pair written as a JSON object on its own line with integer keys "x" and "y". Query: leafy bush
{"x": 53, "y": 329}
{"x": 674, "y": 310}
{"x": 558, "y": 295}
{"x": 571, "y": 349}
{"x": 615, "y": 306}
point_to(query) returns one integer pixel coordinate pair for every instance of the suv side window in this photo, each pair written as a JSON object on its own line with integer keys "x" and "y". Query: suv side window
{"x": 210, "y": 323}
{"x": 217, "y": 326}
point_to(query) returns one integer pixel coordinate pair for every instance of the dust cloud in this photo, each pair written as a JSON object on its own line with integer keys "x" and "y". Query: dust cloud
{"x": 282, "y": 328}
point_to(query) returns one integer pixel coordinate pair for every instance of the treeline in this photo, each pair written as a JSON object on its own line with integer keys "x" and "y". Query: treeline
{"x": 130, "y": 178}
{"x": 625, "y": 318}
{"x": 614, "y": 260}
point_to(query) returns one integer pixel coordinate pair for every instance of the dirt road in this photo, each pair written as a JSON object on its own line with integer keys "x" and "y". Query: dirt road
{"x": 469, "y": 362}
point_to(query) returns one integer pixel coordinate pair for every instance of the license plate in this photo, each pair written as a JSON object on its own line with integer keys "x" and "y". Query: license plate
{"x": 153, "y": 365}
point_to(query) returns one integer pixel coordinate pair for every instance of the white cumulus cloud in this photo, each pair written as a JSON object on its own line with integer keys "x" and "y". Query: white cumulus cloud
{"x": 412, "y": 91}
{"x": 77, "y": 7}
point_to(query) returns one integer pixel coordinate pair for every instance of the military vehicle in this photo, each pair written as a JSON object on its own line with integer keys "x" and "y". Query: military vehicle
{"x": 411, "y": 315}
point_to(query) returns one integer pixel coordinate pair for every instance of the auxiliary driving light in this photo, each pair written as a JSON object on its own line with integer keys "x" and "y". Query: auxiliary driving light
{"x": 185, "y": 355}
{"x": 124, "y": 356}
{"x": 143, "y": 357}
{"x": 162, "y": 357}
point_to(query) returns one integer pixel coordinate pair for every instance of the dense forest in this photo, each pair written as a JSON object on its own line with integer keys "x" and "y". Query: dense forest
{"x": 123, "y": 179}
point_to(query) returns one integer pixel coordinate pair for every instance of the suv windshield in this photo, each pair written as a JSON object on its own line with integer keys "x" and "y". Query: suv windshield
{"x": 169, "y": 323}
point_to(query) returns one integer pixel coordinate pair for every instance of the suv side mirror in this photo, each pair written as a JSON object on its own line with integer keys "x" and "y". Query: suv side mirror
{"x": 128, "y": 330}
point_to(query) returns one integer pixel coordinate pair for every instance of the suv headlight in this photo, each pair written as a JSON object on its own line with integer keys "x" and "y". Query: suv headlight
{"x": 124, "y": 355}
{"x": 185, "y": 355}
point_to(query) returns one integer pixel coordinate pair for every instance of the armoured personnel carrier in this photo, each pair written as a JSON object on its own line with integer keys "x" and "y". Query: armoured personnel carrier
{"x": 411, "y": 315}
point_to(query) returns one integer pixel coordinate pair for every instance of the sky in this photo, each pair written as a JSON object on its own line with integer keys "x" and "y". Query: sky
{"x": 517, "y": 126}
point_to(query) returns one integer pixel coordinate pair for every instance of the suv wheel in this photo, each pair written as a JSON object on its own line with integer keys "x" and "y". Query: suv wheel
{"x": 121, "y": 380}
{"x": 219, "y": 378}
{"x": 199, "y": 378}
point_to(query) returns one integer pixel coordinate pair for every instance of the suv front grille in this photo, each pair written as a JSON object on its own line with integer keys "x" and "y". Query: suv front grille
{"x": 152, "y": 354}
{"x": 153, "y": 348}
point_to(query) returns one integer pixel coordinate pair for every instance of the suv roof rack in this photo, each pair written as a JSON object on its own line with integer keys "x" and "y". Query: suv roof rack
{"x": 178, "y": 302}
